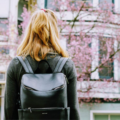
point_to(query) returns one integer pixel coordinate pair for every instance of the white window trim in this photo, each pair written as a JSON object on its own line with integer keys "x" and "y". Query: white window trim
{"x": 13, "y": 12}
{"x": 95, "y": 62}
{"x": 117, "y": 6}
{"x": 95, "y": 3}
{"x": 116, "y": 64}
{"x": 2, "y": 82}
{"x": 92, "y": 112}
{"x": 41, "y": 4}
{"x": 95, "y": 59}
{"x": 3, "y": 37}
{"x": 63, "y": 43}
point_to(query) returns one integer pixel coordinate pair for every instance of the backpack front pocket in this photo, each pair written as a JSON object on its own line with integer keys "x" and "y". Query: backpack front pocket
{"x": 44, "y": 114}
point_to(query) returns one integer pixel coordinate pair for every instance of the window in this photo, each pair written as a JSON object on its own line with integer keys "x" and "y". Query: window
{"x": 79, "y": 51}
{"x": 31, "y": 5}
{"x": 107, "y": 117}
{"x": 117, "y": 6}
{"x": 4, "y": 51}
{"x": 87, "y": 3}
{"x": 21, "y": 4}
{"x": 108, "y": 5}
{"x": 104, "y": 115}
{"x": 101, "y": 117}
{"x": 109, "y": 1}
{"x": 114, "y": 117}
{"x": 3, "y": 29}
{"x": 2, "y": 76}
{"x": 48, "y": 5}
{"x": 105, "y": 71}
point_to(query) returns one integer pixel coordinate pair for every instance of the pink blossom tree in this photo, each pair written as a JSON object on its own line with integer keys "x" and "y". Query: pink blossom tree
{"x": 93, "y": 37}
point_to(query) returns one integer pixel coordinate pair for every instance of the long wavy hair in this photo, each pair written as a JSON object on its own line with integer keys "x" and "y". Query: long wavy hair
{"x": 41, "y": 36}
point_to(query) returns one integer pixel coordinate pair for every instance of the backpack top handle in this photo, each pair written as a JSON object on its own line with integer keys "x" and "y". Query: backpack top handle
{"x": 28, "y": 69}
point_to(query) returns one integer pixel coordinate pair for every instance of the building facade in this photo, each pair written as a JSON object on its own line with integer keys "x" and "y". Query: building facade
{"x": 88, "y": 111}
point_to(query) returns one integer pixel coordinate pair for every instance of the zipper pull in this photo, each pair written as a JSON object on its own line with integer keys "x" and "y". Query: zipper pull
{"x": 30, "y": 109}
{"x": 57, "y": 87}
{"x": 66, "y": 79}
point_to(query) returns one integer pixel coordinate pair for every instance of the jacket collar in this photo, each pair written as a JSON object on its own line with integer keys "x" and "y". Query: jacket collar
{"x": 48, "y": 57}
{"x": 51, "y": 55}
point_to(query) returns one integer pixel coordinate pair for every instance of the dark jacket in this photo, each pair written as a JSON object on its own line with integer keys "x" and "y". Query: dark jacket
{"x": 13, "y": 82}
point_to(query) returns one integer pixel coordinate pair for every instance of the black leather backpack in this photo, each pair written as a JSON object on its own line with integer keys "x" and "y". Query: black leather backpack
{"x": 43, "y": 96}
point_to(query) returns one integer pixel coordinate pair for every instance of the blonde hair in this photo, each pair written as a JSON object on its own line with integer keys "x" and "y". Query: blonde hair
{"x": 41, "y": 35}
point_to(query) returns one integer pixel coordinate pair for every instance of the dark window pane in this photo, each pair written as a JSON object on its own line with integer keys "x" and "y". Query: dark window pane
{"x": 2, "y": 76}
{"x": 100, "y": 117}
{"x": 48, "y": 5}
{"x": 114, "y": 117}
{"x": 107, "y": 4}
{"x": 4, "y": 50}
{"x": 21, "y": 4}
{"x": 81, "y": 66}
{"x": 4, "y": 29}
{"x": 106, "y": 70}
{"x": 19, "y": 27}
{"x": 101, "y": 1}
{"x": 85, "y": 0}
{"x": 87, "y": 3}
{"x": 3, "y": 23}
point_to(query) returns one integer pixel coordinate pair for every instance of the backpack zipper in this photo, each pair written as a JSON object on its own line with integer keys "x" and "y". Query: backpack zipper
{"x": 29, "y": 88}
{"x": 58, "y": 87}
{"x": 53, "y": 88}
{"x": 45, "y": 108}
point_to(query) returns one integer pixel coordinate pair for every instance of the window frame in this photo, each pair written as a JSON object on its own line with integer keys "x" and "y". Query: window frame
{"x": 4, "y": 51}
{"x": 46, "y": 6}
{"x": 19, "y": 18}
{"x": 3, "y": 79}
{"x": 100, "y": 112}
{"x": 95, "y": 62}
{"x": 113, "y": 1}
{"x": 113, "y": 8}
{"x": 46, "y": 2}
{"x": 3, "y": 38}
{"x": 31, "y": 2}
{"x": 110, "y": 64}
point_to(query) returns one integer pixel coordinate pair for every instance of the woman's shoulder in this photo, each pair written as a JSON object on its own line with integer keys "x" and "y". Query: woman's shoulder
{"x": 14, "y": 63}
{"x": 70, "y": 69}
{"x": 69, "y": 62}
{"x": 13, "y": 68}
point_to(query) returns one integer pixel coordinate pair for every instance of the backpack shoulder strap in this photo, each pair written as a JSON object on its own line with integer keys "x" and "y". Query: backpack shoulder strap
{"x": 60, "y": 64}
{"x": 25, "y": 64}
